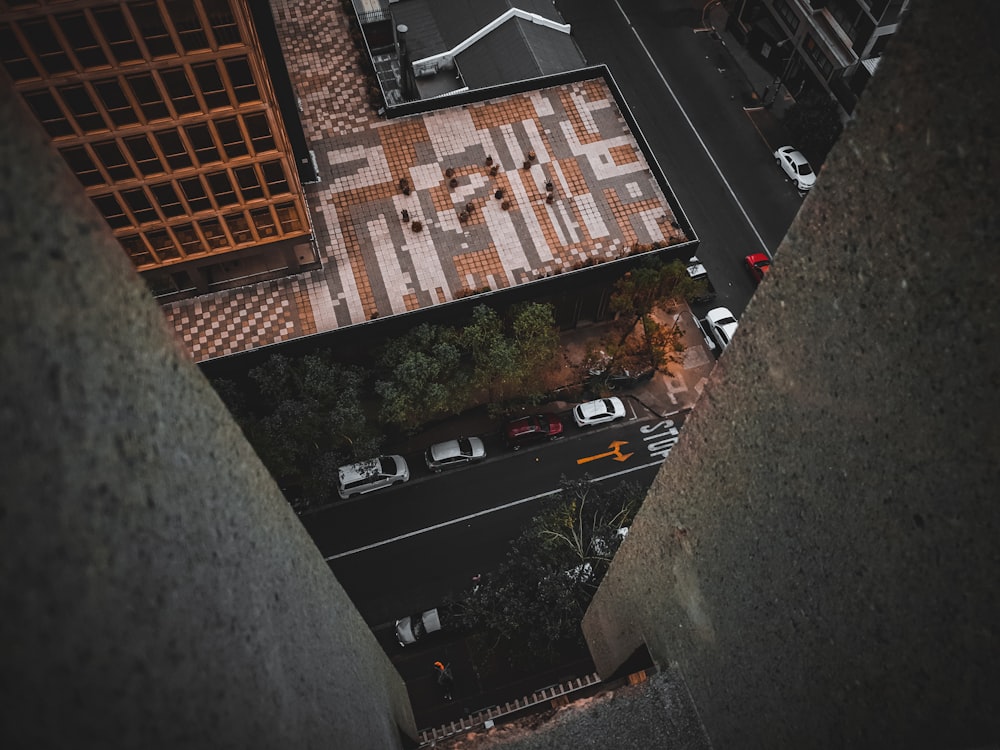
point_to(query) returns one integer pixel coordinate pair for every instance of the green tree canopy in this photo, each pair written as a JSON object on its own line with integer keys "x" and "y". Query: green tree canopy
{"x": 304, "y": 420}
{"x": 422, "y": 376}
{"x": 534, "y": 602}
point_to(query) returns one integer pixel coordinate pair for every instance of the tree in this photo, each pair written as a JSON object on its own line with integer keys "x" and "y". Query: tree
{"x": 422, "y": 376}
{"x": 307, "y": 420}
{"x": 508, "y": 364}
{"x": 814, "y": 122}
{"x": 634, "y": 297}
{"x": 534, "y": 602}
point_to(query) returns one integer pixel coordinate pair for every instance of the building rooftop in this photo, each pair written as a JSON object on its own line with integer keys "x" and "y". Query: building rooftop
{"x": 605, "y": 200}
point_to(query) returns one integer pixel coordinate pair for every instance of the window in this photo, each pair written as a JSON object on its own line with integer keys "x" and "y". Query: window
{"x": 214, "y": 233}
{"x": 222, "y": 188}
{"x": 44, "y": 105}
{"x": 264, "y": 221}
{"x": 152, "y": 29}
{"x": 137, "y": 250}
{"x": 179, "y": 90}
{"x": 786, "y": 14}
{"x": 274, "y": 176}
{"x": 194, "y": 193}
{"x": 239, "y": 229}
{"x": 148, "y": 95}
{"x": 117, "y": 34}
{"x": 166, "y": 198}
{"x": 144, "y": 156}
{"x": 222, "y": 21}
{"x": 211, "y": 86}
{"x": 162, "y": 244}
{"x": 47, "y": 48}
{"x": 15, "y": 59}
{"x": 173, "y": 149}
{"x": 246, "y": 178}
{"x": 116, "y": 104}
{"x": 112, "y": 211}
{"x": 114, "y": 161}
{"x": 188, "y": 239}
{"x": 82, "y": 41}
{"x": 141, "y": 208}
{"x": 288, "y": 217}
{"x": 201, "y": 141}
{"x": 260, "y": 133}
{"x": 82, "y": 107}
{"x": 241, "y": 77}
{"x": 83, "y": 166}
{"x": 815, "y": 53}
{"x": 231, "y": 137}
{"x": 188, "y": 24}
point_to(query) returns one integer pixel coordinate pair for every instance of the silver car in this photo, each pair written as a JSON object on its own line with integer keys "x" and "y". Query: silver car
{"x": 371, "y": 475}
{"x": 454, "y": 453}
{"x": 411, "y": 629}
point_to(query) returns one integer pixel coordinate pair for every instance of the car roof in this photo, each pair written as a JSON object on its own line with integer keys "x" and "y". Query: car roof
{"x": 452, "y": 448}
{"x": 599, "y": 406}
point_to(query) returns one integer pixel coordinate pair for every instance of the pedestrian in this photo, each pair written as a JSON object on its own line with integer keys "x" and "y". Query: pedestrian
{"x": 444, "y": 678}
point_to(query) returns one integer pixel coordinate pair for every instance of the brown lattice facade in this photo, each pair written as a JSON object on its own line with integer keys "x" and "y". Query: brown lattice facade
{"x": 165, "y": 111}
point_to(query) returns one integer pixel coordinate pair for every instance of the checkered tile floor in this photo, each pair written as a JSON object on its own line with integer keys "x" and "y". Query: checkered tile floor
{"x": 387, "y": 250}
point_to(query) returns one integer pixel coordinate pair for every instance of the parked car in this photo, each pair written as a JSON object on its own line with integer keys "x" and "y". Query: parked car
{"x": 454, "y": 453}
{"x": 795, "y": 166}
{"x": 721, "y": 326}
{"x": 371, "y": 475}
{"x": 599, "y": 411}
{"x": 697, "y": 271}
{"x": 411, "y": 629}
{"x": 526, "y": 430}
{"x": 758, "y": 264}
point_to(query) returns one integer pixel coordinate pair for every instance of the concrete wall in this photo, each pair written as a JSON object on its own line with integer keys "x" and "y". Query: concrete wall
{"x": 820, "y": 553}
{"x": 155, "y": 588}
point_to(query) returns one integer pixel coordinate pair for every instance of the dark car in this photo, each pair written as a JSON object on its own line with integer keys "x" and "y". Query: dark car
{"x": 526, "y": 430}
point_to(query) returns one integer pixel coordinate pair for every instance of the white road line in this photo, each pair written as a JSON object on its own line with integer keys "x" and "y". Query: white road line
{"x": 469, "y": 517}
{"x": 693, "y": 129}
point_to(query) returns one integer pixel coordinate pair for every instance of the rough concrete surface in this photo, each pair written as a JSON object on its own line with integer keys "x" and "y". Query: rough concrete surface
{"x": 657, "y": 713}
{"x": 819, "y": 554}
{"x": 155, "y": 588}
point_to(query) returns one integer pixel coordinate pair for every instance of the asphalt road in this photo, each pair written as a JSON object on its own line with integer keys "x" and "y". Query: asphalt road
{"x": 687, "y": 95}
{"x": 403, "y": 549}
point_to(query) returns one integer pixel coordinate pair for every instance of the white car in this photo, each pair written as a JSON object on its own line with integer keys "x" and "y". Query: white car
{"x": 454, "y": 453}
{"x": 411, "y": 629}
{"x": 371, "y": 475}
{"x": 721, "y": 326}
{"x": 794, "y": 165}
{"x": 598, "y": 412}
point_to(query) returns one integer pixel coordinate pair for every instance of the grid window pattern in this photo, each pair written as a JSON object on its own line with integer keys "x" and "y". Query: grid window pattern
{"x": 155, "y": 106}
{"x": 787, "y": 15}
{"x": 815, "y": 53}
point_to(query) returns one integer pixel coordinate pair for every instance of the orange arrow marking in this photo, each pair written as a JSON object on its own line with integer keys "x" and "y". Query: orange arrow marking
{"x": 616, "y": 451}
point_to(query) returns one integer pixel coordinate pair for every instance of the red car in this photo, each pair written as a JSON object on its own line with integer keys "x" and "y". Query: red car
{"x": 525, "y": 430}
{"x": 758, "y": 264}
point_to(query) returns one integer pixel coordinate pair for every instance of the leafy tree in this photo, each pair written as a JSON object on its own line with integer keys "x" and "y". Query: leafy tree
{"x": 307, "y": 420}
{"x": 534, "y": 602}
{"x": 634, "y": 297}
{"x": 814, "y": 122}
{"x": 423, "y": 376}
{"x": 507, "y": 364}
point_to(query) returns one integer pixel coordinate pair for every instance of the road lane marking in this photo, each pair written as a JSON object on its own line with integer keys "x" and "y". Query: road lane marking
{"x": 616, "y": 451}
{"x": 478, "y": 514}
{"x": 694, "y": 130}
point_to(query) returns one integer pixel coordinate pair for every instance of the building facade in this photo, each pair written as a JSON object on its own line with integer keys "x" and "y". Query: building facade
{"x": 167, "y": 114}
{"x": 831, "y": 44}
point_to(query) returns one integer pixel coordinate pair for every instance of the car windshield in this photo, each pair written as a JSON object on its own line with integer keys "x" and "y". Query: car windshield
{"x": 417, "y": 626}
{"x": 464, "y": 446}
{"x": 804, "y": 168}
{"x": 387, "y": 465}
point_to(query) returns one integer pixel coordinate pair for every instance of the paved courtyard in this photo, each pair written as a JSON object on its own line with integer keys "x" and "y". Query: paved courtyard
{"x": 574, "y": 188}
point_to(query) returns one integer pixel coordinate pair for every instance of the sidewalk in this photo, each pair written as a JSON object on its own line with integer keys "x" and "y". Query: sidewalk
{"x": 767, "y": 119}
